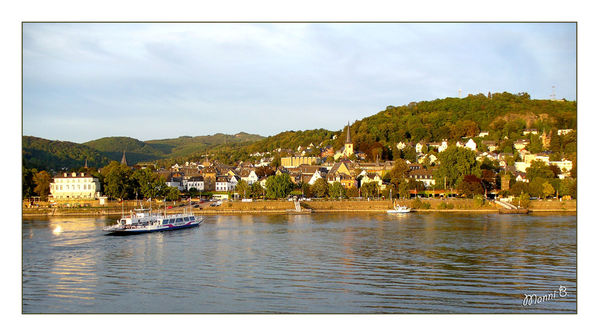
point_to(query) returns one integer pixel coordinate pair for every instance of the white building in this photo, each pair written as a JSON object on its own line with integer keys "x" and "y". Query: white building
{"x": 471, "y": 145}
{"x": 249, "y": 176}
{"x": 443, "y": 146}
{"x": 222, "y": 183}
{"x": 564, "y": 131}
{"x": 196, "y": 182}
{"x": 75, "y": 186}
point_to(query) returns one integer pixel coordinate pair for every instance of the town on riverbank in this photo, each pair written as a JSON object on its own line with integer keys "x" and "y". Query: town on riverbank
{"x": 465, "y": 176}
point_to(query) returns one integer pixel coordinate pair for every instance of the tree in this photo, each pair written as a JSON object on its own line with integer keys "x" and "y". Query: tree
{"x": 148, "y": 183}
{"x": 455, "y": 163}
{"x": 243, "y": 189}
{"x": 548, "y": 189}
{"x": 28, "y": 184}
{"x": 337, "y": 190}
{"x": 370, "y": 189}
{"x": 42, "y": 184}
{"x": 535, "y": 187}
{"x": 568, "y": 187}
{"x": 538, "y": 168}
{"x": 117, "y": 180}
{"x": 352, "y": 192}
{"x": 256, "y": 190}
{"x": 519, "y": 188}
{"x": 278, "y": 186}
{"x": 320, "y": 188}
{"x": 470, "y": 186}
{"x": 172, "y": 194}
{"x": 409, "y": 153}
{"x": 399, "y": 171}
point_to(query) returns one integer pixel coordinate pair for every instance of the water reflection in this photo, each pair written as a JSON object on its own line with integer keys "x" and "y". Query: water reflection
{"x": 327, "y": 263}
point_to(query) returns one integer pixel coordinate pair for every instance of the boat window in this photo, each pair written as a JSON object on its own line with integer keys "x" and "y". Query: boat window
{"x": 192, "y": 218}
{"x": 179, "y": 220}
{"x": 165, "y": 221}
{"x": 172, "y": 221}
{"x": 186, "y": 219}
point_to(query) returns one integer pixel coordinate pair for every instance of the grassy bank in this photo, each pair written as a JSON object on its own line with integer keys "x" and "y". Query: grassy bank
{"x": 423, "y": 205}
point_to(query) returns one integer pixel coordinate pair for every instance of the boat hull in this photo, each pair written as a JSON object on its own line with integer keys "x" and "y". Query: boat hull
{"x": 127, "y": 232}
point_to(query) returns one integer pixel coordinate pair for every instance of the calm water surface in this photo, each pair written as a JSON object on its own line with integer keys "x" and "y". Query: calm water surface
{"x": 320, "y": 263}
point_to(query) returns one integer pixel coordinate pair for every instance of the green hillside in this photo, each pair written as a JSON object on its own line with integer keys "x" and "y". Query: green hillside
{"x": 55, "y": 155}
{"x": 187, "y": 146}
{"x": 136, "y": 151}
{"x": 503, "y": 115}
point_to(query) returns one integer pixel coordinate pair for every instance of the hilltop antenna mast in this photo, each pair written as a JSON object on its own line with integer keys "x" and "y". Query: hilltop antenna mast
{"x": 552, "y": 92}
{"x": 459, "y": 93}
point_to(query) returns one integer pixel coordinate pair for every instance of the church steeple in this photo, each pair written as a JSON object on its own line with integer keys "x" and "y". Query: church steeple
{"x": 349, "y": 146}
{"x": 124, "y": 159}
{"x": 348, "y": 140}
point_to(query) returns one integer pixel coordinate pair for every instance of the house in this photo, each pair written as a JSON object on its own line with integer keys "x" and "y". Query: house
{"x": 343, "y": 167}
{"x": 443, "y": 146}
{"x": 233, "y": 182}
{"x": 483, "y": 134}
{"x": 521, "y": 144}
{"x": 175, "y": 179}
{"x": 564, "y": 131}
{"x": 521, "y": 177}
{"x": 423, "y": 175}
{"x": 563, "y": 165}
{"x": 346, "y": 180}
{"x": 369, "y": 178}
{"x": 471, "y": 145}
{"x": 295, "y": 161}
{"x": 75, "y": 186}
{"x": 420, "y": 146}
{"x": 262, "y": 181}
{"x": 401, "y": 145}
{"x": 530, "y": 131}
{"x": 491, "y": 145}
{"x": 223, "y": 183}
{"x": 196, "y": 182}
{"x": 249, "y": 176}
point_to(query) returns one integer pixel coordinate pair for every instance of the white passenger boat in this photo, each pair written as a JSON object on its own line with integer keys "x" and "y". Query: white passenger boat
{"x": 144, "y": 221}
{"x": 399, "y": 209}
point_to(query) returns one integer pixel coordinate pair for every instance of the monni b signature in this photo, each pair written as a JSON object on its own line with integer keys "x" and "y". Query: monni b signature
{"x": 532, "y": 299}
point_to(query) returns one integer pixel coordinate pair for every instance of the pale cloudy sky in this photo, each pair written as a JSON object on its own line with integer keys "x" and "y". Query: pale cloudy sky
{"x": 84, "y": 81}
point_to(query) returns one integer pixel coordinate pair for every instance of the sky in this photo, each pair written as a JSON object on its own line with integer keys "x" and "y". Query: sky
{"x": 84, "y": 81}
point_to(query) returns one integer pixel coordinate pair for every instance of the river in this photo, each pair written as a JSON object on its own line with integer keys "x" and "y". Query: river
{"x": 319, "y": 263}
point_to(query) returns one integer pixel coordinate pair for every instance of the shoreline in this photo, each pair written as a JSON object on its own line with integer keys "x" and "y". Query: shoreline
{"x": 316, "y": 206}
{"x": 284, "y": 211}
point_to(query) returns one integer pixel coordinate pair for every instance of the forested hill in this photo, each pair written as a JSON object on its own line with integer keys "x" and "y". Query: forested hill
{"x": 55, "y": 155}
{"x": 45, "y": 154}
{"x": 501, "y": 114}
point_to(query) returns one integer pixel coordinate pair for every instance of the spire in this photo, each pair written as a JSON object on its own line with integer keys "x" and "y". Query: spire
{"x": 124, "y": 159}
{"x": 348, "y": 140}
{"x": 85, "y": 164}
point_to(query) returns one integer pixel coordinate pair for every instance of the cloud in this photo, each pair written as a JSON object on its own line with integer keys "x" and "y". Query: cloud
{"x": 266, "y": 78}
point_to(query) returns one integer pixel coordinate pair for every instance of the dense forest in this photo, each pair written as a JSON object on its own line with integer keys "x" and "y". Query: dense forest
{"x": 51, "y": 155}
{"x": 503, "y": 115}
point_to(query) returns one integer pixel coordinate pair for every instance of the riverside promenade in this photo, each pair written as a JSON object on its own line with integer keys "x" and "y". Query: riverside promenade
{"x": 281, "y": 207}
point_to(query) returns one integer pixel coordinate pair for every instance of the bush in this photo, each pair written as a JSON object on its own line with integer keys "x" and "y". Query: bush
{"x": 479, "y": 201}
{"x": 419, "y": 204}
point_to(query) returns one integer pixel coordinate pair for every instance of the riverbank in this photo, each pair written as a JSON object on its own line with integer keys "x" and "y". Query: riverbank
{"x": 317, "y": 206}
